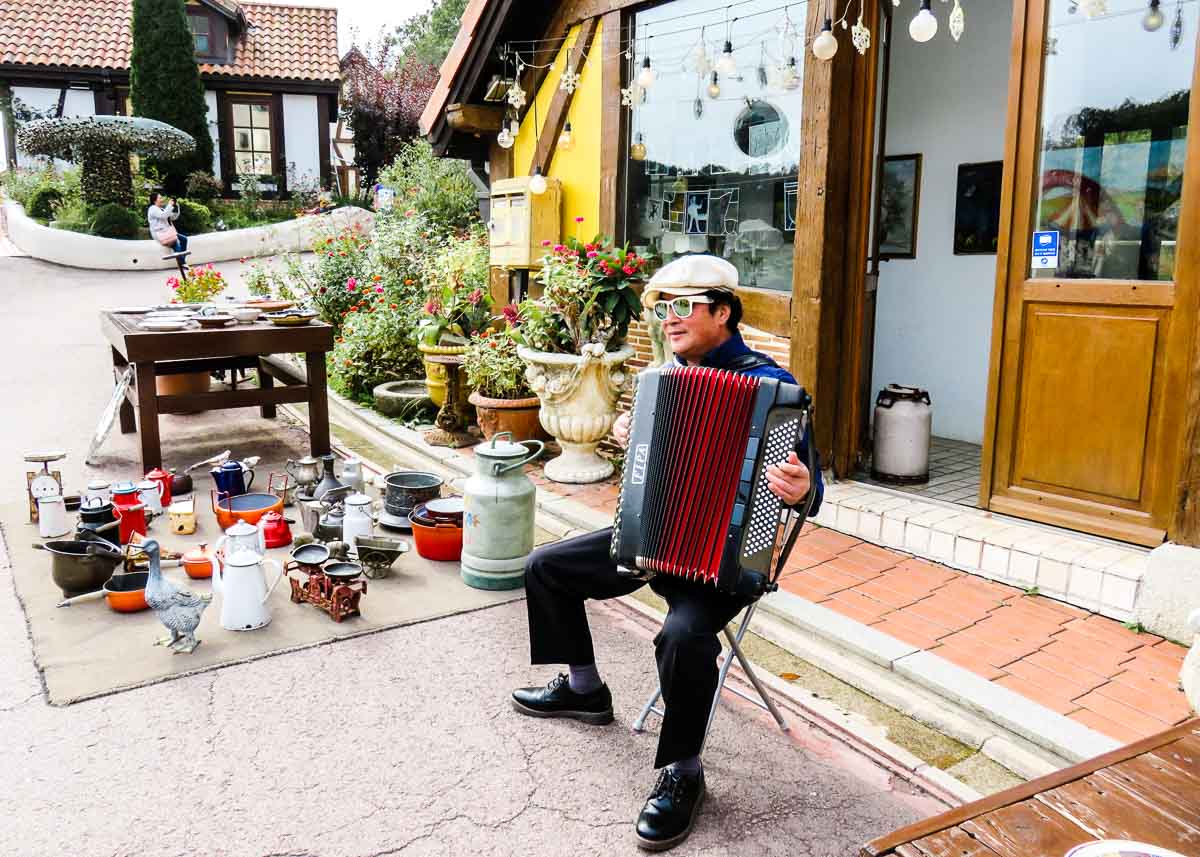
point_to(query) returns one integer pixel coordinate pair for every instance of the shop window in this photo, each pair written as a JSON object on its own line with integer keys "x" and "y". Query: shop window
{"x": 252, "y": 141}
{"x": 1113, "y": 142}
{"x": 713, "y": 161}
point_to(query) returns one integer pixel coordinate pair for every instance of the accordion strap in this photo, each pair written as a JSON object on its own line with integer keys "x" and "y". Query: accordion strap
{"x": 796, "y": 519}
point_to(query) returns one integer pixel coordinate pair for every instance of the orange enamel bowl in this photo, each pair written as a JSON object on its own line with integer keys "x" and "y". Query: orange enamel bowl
{"x": 441, "y": 541}
{"x": 126, "y": 593}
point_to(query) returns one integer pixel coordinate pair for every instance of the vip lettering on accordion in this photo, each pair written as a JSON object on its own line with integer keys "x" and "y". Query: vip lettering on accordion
{"x": 695, "y": 501}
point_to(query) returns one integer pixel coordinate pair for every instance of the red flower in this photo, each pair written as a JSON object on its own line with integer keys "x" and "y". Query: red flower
{"x": 511, "y": 314}
{"x": 393, "y": 306}
{"x": 323, "y": 290}
{"x": 377, "y": 278}
{"x": 629, "y": 269}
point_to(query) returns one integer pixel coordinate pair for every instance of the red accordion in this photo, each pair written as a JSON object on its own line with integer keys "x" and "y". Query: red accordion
{"x": 694, "y": 500}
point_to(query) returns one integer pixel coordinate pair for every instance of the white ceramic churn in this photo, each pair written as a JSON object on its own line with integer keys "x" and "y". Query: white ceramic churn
{"x": 498, "y": 514}
{"x": 903, "y": 425}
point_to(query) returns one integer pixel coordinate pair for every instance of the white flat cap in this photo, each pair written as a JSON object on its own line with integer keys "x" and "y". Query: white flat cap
{"x": 690, "y": 275}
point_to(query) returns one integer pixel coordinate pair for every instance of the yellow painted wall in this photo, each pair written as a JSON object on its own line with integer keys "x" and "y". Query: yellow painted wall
{"x": 578, "y": 168}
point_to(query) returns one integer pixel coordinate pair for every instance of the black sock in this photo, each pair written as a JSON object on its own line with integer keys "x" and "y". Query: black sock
{"x": 689, "y": 766}
{"x": 585, "y": 679}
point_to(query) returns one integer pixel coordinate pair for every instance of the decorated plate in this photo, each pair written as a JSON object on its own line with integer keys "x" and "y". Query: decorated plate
{"x": 290, "y": 317}
{"x": 1120, "y": 848}
{"x": 270, "y": 306}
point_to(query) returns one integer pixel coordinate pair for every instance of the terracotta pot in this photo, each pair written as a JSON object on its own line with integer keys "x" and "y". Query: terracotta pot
{"x": 519, "y": 416}
{"x": 579, "y": 394}
{"x": 435, "y": 375}
{"x": 184, "y": 384}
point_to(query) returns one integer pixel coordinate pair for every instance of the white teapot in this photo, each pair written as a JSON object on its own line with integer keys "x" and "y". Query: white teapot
{"x": 245, "y": 592}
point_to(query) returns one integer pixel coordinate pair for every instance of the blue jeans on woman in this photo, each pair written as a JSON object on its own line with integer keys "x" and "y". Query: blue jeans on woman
{"x": 180, "y": 242}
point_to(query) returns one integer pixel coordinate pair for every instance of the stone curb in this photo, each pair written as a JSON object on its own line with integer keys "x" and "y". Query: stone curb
{"x": 1052, "y": 739}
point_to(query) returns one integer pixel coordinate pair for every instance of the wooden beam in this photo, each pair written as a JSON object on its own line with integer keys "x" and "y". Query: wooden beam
{"x": 820, "y": 249}
{"x": 583, "y": 9}
{"x": 475, "y": 118}
{"x": 560, "y": 102}
{"x": 613, "y": 126}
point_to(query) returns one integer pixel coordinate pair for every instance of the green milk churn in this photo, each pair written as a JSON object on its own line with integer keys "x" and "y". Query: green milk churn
{"x": 498, "y": 513}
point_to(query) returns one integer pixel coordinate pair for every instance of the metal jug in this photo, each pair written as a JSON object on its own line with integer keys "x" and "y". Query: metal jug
{"x": 52, "y": 517}
{"x": 328, "y": 482}
{"x": 499, "y": 505}
{"x": 231, "y": 478}
{"x": 358, "y": 520}
{"x": 244, "y": 591}
{"x": 306, "y": 471}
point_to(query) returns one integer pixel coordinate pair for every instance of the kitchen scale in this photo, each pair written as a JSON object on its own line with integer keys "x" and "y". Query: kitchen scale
{"x": 44, "y": 482}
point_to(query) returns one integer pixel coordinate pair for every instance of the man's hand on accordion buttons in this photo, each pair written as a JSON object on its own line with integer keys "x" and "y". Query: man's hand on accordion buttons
{"x": 789, "y": 480}
{"x": 620, "y": 430}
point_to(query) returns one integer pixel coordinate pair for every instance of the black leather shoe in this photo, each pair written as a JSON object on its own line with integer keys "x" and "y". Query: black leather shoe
{"x": 557, "y": 699}
{"x": 670, "y": 811}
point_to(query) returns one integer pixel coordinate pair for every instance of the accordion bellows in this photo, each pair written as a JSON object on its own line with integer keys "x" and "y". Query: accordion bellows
{"x": 694, "y": 499}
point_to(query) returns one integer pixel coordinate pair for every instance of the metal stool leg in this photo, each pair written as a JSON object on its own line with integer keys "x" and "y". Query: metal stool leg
{"x": 735, "y": 650}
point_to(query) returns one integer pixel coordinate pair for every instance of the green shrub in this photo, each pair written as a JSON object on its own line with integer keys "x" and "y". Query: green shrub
{"x": 203, "y": 187}
{"x": 19, "y": 184}
{"x": 116, "y": 221}
{"x": 42, "y": 202}
{"x": 437, "y": 190}
{"x": 193, "y": 218}
{"x": 74, "y": 215}
{"x": 376, "y": 344}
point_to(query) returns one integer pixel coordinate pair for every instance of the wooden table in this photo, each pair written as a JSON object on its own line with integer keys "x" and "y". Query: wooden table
{"x": 1148, "y": 791}
{"x": 238, "y": 346}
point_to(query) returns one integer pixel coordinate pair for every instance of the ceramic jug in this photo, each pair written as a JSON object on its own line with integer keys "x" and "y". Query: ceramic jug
{"x": 150, "y": 493}
{"x": 498, "y": 514}
{"x": 231, "y": 478}
{"x": 164, "y": 479}
{"x": 52, "y": 517}
{"x": 357, "y": 521}
{"x": 244, "y": 591}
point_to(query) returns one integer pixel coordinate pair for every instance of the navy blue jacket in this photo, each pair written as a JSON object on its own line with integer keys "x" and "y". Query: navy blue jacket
{"x": 734, "y": 347}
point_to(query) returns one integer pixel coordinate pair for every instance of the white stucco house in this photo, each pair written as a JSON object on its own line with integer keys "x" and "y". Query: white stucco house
{"x": 270, "y": 72}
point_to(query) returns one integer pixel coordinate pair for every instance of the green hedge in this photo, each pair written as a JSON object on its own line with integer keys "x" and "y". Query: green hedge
{"x": 193, "y": 218}
{"x": 116, "y": 221}
{"x": 43, "y": 201}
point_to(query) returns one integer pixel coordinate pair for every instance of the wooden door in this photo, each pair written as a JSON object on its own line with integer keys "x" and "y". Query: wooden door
{"x": 1089, "y": 355}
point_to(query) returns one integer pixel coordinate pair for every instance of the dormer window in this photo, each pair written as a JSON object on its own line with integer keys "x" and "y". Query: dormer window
{"x": 201, "y": 34}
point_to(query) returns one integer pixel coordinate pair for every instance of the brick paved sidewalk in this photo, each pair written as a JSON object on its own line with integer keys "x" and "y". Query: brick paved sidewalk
{"x": 1086, "y": 666}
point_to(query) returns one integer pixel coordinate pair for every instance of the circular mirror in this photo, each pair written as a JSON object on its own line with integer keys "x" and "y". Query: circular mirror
{"x": 760, "y": 129}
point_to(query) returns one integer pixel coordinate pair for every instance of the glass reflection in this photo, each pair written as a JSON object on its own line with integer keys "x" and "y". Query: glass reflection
{"x": 1114, "y": 139}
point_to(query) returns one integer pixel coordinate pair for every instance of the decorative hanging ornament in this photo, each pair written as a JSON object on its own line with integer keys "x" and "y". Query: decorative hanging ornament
{"x": 629, "y": 95}
{"x": 958, "y": 21}
{"x": 1177, "y": 26}
{"x": 791, "y": 74}
{"x": 1093, "y": 8}
{"x": 637, "y": 152}
{"x": 860, "y": 35}
{"x": 569, "y": 81}
{"x": 698, "y": 107}
{"x": 516, "y": 96}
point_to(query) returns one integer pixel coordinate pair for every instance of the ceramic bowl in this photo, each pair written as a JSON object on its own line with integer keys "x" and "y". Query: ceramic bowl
{"x": 244, "y": 314}
{"x": 212, "y": 321}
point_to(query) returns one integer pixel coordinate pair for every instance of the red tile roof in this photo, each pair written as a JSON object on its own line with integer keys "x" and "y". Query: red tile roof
{"x": 280, "y": 43}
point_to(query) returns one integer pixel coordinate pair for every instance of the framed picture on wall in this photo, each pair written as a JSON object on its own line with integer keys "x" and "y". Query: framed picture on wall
{"x": 977, "y": 208}
{"x": 898, "y": 207}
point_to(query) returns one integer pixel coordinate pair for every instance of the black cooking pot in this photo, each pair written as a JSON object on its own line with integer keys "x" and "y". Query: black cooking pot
{"x": 78, "y": 567}
{"x": 409, "y": 488}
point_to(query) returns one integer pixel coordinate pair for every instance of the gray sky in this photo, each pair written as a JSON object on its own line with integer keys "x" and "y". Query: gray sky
{"x": 365, "y": 15}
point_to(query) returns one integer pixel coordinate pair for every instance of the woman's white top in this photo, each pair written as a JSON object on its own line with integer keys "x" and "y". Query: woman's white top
{"x": 160, "y": 218}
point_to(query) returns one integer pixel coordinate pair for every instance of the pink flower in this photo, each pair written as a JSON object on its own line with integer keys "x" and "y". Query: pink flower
{"x": 475, "y": 297}
{"x": 592, "y": 254}
{"x": 511, "y": 314}
{"x": 410, "y": 212}
{"x": 379, "y": 289}
{"x": 579, "y": 220}
{"x": 558, "y": 248}
{"x": 433, "y": 307}
{"x": 351, "y": 283}
{"x": 546, "y": 242}
{"x": 629, "y": 269}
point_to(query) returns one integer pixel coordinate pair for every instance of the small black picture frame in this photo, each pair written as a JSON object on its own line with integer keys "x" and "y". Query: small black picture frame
{"x": 977, "y": 208}
{"x": 899, "y": 205}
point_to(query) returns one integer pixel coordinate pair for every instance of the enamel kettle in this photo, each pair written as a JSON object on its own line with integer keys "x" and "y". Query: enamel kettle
{"x": 230, "y": 478}
{"x": 244, "y": 591}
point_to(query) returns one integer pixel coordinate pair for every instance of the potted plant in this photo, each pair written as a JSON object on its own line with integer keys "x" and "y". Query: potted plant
{"x": 574, "y": 344}
{"x": 201, "y": 284}
{"x": 457, "y": 304}
{"x": 500, "y": 393}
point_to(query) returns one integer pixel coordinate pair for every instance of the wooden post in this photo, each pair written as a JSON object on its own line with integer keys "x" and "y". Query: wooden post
{"x": 820, "y": 251}
{"x": 612, "y": 125}
{"x": 560, "y": 103}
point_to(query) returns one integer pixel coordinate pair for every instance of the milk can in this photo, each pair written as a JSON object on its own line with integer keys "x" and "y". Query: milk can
{"x": 498, "y": 505}
{"x": 903, "y": 423}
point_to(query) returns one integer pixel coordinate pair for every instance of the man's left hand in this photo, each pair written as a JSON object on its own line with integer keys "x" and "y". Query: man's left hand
{"x": 789, "y": 480}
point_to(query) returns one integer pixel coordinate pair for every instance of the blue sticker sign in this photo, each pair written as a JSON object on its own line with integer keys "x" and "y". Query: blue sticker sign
{"x": 1045, "y": 250}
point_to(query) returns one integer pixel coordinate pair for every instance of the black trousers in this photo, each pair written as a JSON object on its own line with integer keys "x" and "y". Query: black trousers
{"x": 560, "y": 577}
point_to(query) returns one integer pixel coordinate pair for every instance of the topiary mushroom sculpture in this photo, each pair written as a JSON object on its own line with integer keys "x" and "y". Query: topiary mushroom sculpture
{"x": 101, "y": 145}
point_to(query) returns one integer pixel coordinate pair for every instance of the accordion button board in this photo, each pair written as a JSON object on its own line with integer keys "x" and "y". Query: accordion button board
{"x": 695, "y": 502}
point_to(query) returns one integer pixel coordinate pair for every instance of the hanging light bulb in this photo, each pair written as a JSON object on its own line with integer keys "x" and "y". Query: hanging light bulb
{"x": 647, "y": 75}
{"x": 637, "y": 152}
{"x": 1153, "y": 18}
{"x": 714, "y": 88}
{"x": 564, "y": 139}
{"x": 508, "y": 133}
{"x": 791, "y": 74}
{"x": 537, "y": 184}
{"x": 825, "y": 45}
{"x": 924, "y": 25}
{"x": 727, "y": 65}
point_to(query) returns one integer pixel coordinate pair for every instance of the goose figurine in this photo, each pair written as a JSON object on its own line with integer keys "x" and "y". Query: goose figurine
{"x": 177, "y": 608}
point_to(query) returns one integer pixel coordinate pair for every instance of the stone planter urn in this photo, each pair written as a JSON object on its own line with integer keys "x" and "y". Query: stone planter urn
{"x": 435, "y": 375}
{"x": 579, "y": 396}
{"x": 519, "y": 416}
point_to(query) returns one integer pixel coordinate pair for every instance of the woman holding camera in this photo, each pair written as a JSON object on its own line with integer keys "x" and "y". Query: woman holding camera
{"x": 162, "y": 223}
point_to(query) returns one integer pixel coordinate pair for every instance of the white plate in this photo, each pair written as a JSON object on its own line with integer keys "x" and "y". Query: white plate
{"x": 169, "y": 316}
{"x": 133, "y": 310}
{"x": 1120, "y": 848}
{"x": 163, "y": 325}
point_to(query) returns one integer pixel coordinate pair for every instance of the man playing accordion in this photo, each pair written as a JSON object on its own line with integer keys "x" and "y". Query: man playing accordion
{"x": 695, "y": 299}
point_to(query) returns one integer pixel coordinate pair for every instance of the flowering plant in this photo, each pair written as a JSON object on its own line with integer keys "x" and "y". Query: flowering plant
{"x": 493, "y": 367}
{"x": 201, "y": 284}
{"x": 457, "y": 301}
{"x": 588, "y": 297}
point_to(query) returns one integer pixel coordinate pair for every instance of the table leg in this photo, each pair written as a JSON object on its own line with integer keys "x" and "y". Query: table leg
{"x": 265, "y": 382}
{"x": 125, "y": 413}
{"x": 148, "y": 416}
{"x": 318, "y": 403}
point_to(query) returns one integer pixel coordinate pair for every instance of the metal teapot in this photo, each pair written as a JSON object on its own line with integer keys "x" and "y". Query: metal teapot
{"x": 329, "y": 528}
{"x": 498, "y": 520}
